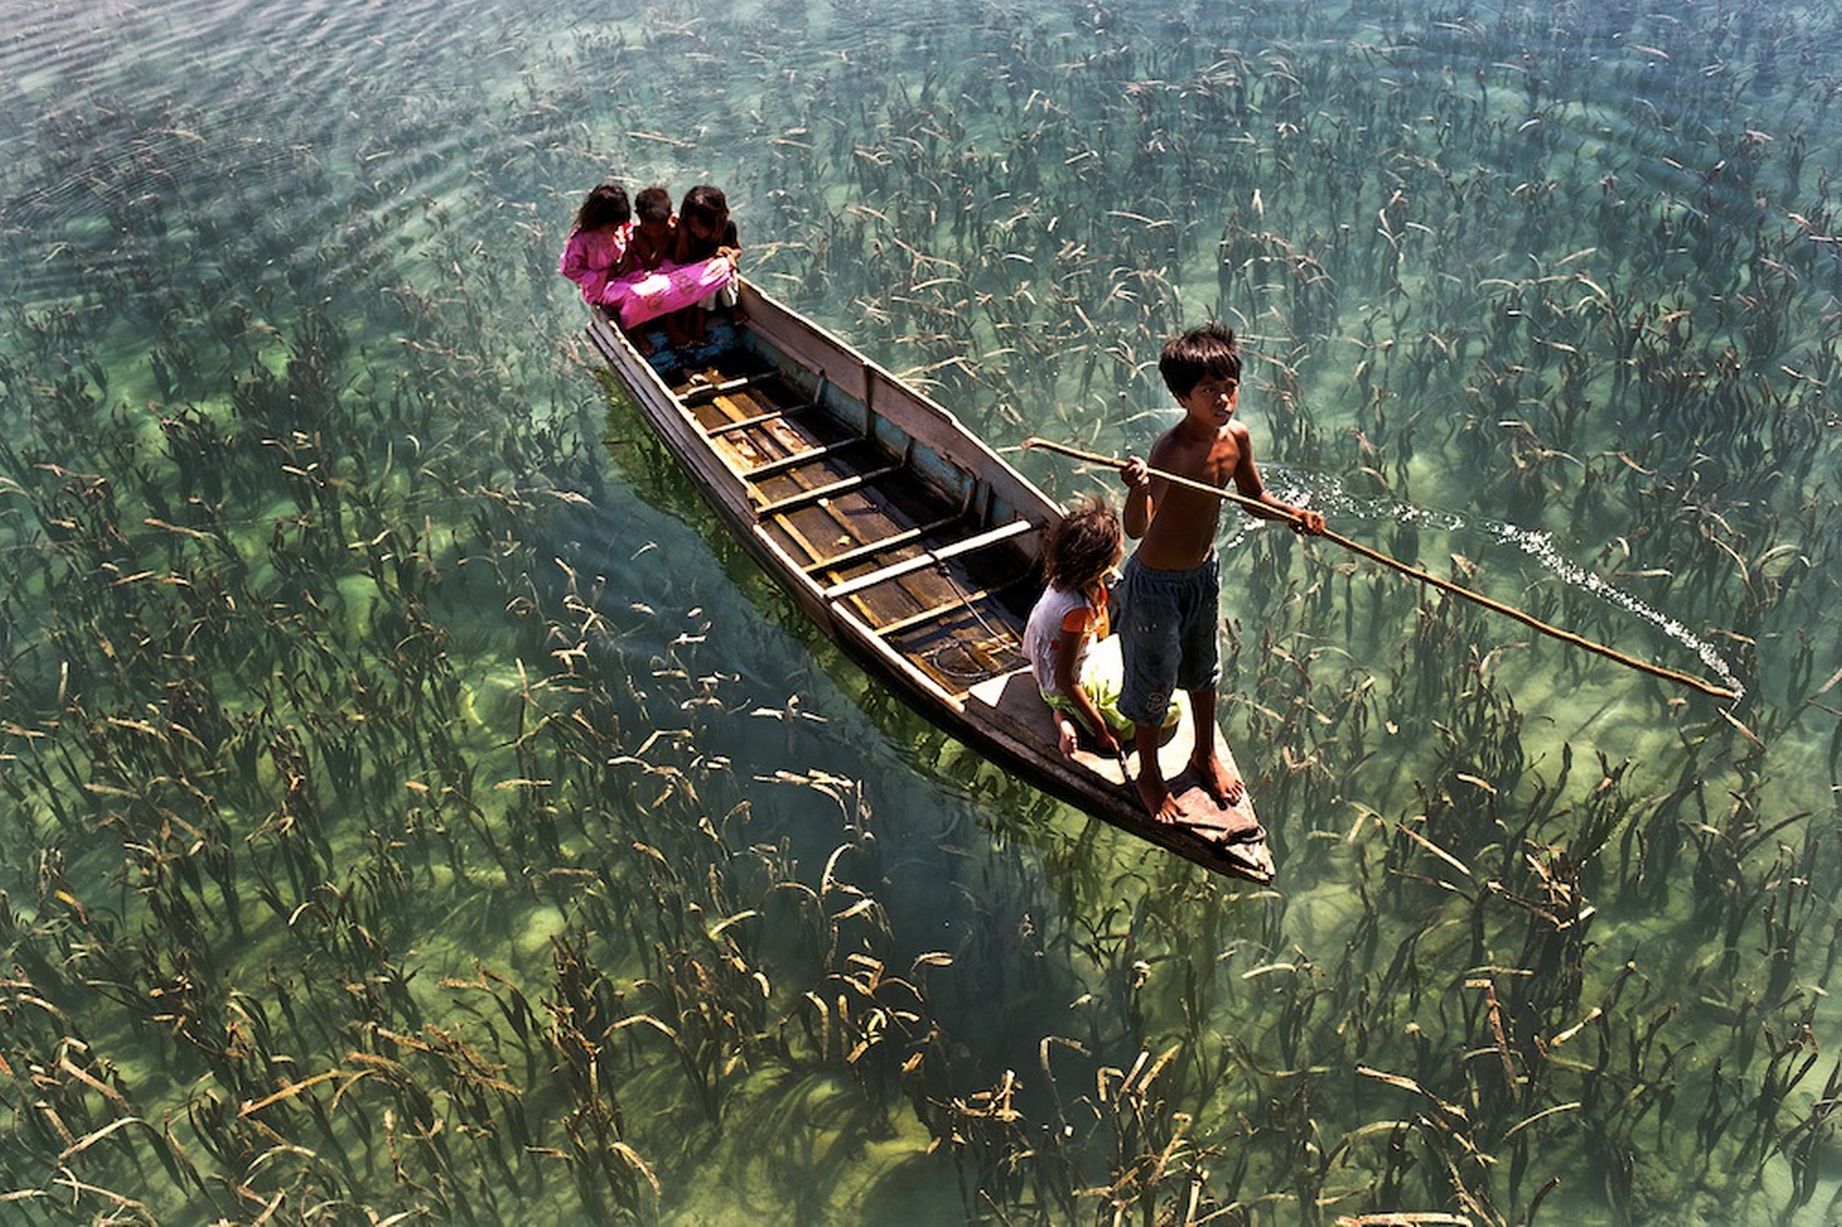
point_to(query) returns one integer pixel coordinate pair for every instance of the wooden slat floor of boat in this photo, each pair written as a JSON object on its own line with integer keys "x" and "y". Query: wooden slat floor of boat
{"x": 908, "y": 595}
{"x": 977, "y": 598}
{"x": 850, "y": 554}
{"x": 899, "y": 568}
{"x": 780, "y": 436}
{"x": 819, "y": 483}
{"x": 793, "y": 459}
{"x": 879, "y": 607}
{"x": 709, "y": 379}
{"x": 760, "y": 401}
{"x": 764, "y": 433}
{"x": 965, "y": 642}
{"x": 944, "y": 594}
{"x": 758, "y": 421}
{"x": 819, "y": 436}
{"x": 893, "y": 505}
{"x": 812, "y": 531}
{"x": 697, "y": 393}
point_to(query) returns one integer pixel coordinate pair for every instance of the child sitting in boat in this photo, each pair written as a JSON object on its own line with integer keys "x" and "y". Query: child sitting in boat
{"x": 599, "y": 243}
{"x": 656, "y": 234}
{"x": 656, "y": 283}
{"x": 655, "y": 238}
{"x": 1072, "y": 613}
{"x": 705, "y": 232}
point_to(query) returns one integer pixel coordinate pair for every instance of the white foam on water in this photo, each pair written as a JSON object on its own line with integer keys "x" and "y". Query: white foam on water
{"x": 1538, "y": 544}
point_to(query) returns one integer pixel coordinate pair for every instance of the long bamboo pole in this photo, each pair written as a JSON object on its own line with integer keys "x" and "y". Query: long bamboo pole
{"x": 1426, "y": 577}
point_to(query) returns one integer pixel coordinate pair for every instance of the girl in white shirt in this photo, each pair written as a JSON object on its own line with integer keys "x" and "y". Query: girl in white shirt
{"x": 1069, "y": 616}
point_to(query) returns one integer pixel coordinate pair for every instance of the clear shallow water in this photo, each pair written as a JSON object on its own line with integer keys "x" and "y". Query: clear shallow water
{"x": 382, "y": 708}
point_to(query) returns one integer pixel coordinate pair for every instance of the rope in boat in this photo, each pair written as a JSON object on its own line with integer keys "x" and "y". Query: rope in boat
{"x": 1004, "y": 638}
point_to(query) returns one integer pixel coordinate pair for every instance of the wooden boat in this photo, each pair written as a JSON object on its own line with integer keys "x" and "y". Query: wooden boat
{"x": 906, "y": 539}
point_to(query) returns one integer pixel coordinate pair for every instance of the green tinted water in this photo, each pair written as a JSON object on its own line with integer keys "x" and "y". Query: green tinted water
{"x": 419, "y": 809}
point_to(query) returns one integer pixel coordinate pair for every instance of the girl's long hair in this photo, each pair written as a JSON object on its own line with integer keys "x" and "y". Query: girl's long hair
{"x": 705, "y": 203}
{"x": 605, "y": 206}
{"x": 1078, "y": 550}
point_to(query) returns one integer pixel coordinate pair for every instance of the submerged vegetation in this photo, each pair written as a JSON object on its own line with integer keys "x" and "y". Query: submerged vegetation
{"x": 414, "y": 816}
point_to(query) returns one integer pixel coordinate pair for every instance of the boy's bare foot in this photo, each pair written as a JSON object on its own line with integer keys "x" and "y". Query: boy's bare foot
{"x": 1218, "y": 781}
{"x": 1158, "y": 802}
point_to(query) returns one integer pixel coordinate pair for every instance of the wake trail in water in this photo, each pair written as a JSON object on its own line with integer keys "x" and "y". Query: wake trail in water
{"x": 1537, "y": 544}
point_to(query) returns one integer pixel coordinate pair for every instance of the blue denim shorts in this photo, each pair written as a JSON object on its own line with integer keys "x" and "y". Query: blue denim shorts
{"x": 1168, "y": 627}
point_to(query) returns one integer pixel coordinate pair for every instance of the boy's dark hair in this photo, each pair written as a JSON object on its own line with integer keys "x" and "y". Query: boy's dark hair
{"x": 653, "y": 204}
{"x": 606, "y": 205}
{"x": 1203, "y": 351}
{"x": 1080, "y": 546}
{"x": 705, "y": 203}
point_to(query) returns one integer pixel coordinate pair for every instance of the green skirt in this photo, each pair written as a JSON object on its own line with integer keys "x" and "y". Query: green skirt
{"x": 1104, "y": 676}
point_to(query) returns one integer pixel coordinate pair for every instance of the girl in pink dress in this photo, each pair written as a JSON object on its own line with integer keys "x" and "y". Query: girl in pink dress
{"x": 656, "y": 282}
{"x": 598, "y": 244}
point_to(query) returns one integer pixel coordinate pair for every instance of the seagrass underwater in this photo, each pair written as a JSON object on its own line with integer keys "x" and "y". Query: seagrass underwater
{"x": 422, "y": 810}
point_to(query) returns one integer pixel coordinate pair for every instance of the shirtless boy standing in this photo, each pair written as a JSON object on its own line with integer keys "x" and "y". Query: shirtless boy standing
{"x": 1170, "y": 593}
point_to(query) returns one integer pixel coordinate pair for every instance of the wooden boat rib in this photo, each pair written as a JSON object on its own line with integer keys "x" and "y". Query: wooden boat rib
{"x": 909, "y": 542}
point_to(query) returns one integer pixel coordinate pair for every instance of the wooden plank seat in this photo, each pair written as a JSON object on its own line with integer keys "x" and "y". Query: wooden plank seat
{"x": 929, "y": 613}
{"x": 698, "y": 393}
{"x": 769, "y": 468}
{"x": 869, "y": 549}
{"x": 759, "y": 419}
{"x": 829, "y": 490}
{"x": 930, "y": 558}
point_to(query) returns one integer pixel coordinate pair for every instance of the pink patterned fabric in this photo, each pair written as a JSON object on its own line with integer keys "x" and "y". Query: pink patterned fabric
{"x": 639, "y": 297}
{"x": 591, "y": 257}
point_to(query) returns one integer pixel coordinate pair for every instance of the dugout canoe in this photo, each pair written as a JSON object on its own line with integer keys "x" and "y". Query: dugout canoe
{"x": 908, "y": 541}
